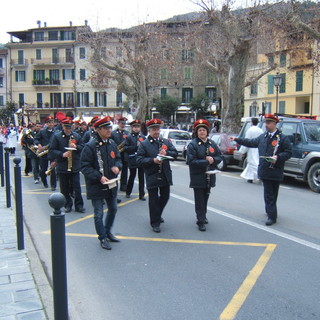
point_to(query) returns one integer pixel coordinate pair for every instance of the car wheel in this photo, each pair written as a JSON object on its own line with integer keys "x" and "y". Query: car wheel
{"x": 314, "y": 177}
{"x": 222, "y": 166}
{"x": 244, "y": 163}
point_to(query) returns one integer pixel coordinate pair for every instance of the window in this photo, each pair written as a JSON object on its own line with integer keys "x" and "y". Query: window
{"x": 21, "y": 99}
{"x": 68, "y": 99}
{"x": 282, "y": 107}
{"x": 283, "y": 60}
{"x": 20, "y": 57}
{"x": 38, "y": 74}
{"x": 254, "y": 88}
{"x": 270, "y": 84}
{"x": 55, "y": 100}
{"x": 20, "y": 76}
{"x": 54, "y": 74}
{"x": 307, "y": 107}
{"x": 163, "y": 93}
{"x": 210, "y": 77}
{"x": 282, "y": 88}
{"x": 211, "y": 93}
{"x": 68, "y": 74}
{"x": 1, "y": 101}
{"x": 39, "y": 100}
{"x": 187, "y": 55}
{"x": 119, "y": 98}
{"x": 1, "y": 82}
{"x": 299, "y": 80}
{"x": 163, "y": 73}
{"x": 82, "y": 74}
{"x": 55, "y": 55}
{"x": 39, "y": 36}
{"x": 1, "y": 63}
{"x": 187, "y": 73}
{"x": 53, "y": 35}
{"x": 38, "y": 54}
{"x": 82, "y": 53}
{"x": 83, "y": 99}
{"x": 267, "y": 107}
{"x": 271, "y": 61}
{"x": 187, "y": 95}
{"x": 69, "y": 55}
{"x": 289, "y": 128}
{"x": 67, "y": 35}
{"x": 165, "y": 54}
{"x": 100, "y": 99}
{"x": 253, "y": 110}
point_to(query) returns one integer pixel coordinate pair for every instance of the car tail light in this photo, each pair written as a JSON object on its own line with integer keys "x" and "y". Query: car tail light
{"x": 230, "y": 150}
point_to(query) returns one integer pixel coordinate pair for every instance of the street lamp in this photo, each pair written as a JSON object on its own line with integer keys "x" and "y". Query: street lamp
{"x": 277, "y": 81}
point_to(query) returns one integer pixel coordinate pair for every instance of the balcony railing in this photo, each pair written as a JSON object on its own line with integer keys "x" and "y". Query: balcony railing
{"x": 46, "y": 83}
{"x": 52, "y": 61}
{"x": 19, "y": 62}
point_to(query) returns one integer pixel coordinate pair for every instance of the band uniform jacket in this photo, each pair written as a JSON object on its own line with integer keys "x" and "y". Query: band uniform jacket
{"x": 131, "y": 147}
{"x": 88, "y": 135}
{"x": 147, "y": 151}
{"x": 198, "y": 165}
{"x": 91, "y": 169}
{"x": 266, "y": 147}
{"x": 118, "y": 136}
{"x": 44, "y": 137}
{"x": 57, "y": 146}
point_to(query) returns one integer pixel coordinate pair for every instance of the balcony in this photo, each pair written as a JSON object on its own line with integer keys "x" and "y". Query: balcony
{"x": 46, "y": 83}
{"x": 52, "y": 61}
{"x": 19, "y": 62}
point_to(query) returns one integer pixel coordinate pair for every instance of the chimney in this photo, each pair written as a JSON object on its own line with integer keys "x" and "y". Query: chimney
{"x": 39, "y": 23}
{"x": 70, "y": 23}
{"x": 45, "y": 24}
{"x": 85, "y": 22}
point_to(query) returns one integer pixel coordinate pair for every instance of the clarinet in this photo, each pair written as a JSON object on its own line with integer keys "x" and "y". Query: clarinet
{"x": 208, "y": 175}
{"x": 100, "y": 161}
{"x": 160, "y": 165}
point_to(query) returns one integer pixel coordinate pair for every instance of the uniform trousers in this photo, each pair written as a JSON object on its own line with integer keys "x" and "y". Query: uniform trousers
{"x": 201, "y": 196}
{"x": 271, "y": 190}
{"x": 44, "y": 162}
{"x": 158, "y": 198}
{"x": 124, "y": 174}
{"x": 133, "y": 172}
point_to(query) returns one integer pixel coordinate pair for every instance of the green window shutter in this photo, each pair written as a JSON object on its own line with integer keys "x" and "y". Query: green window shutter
{"x": 72, "y": 74}
{"x": 63, "y": 74}
{"x": 299, "y": 81}
{"x": 183, "y": 55}
{"x": 16, "y": 76}
{"x": 105, "y": 99}
{"x": 163, "y": 92}
{"x": 282, "y": 88}
{"x": 283, "y": 60}
{"x": 183, "y": 95}
{"x": 270, "y": 84}
{"x": 95, "y": 99}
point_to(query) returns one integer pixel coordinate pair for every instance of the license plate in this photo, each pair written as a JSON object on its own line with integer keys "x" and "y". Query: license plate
{"x": 181, "y": 143}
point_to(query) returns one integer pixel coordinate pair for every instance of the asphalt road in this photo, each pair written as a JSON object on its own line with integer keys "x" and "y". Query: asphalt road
{"x": 238, "y": 269}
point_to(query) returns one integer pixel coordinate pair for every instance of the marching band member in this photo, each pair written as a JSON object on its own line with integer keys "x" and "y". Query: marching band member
{"x": 132, "y": 142}
{"x": 203, "y": 155}
{"x": 118, "y": 136}
{"x": 66, "y": 146}
{"x": 158, "y": 172}
{"x": 42, "y": 139}
{"x": 101, "y": 162}
{"x": 91, "y": 132}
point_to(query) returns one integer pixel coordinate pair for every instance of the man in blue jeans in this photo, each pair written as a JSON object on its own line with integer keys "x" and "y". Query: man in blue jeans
{"x": 100, "y": 163}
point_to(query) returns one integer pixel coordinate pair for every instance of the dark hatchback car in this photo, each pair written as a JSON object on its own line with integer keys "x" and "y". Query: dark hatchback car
{"x": 227, "y": 148}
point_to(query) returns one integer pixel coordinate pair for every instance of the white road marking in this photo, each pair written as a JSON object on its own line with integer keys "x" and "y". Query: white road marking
{"x": 230, "y": 176}
{"x": 255, "y": 225}
{"x": 287, "y": 188}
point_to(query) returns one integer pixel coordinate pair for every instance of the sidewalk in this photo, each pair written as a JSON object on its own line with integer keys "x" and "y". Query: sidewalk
{"x": 19, "y": 297}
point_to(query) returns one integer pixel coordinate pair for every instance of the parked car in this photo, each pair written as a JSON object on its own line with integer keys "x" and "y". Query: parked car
{"x": 179, "y": 138}
{"x": 227, "y": 148}
{"x": 304, "y": 135}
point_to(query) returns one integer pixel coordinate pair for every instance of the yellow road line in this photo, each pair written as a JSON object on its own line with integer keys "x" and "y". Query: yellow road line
{"x": 233, "y": 307}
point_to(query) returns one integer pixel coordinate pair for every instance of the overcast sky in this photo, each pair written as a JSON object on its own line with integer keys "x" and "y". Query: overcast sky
{"x": 23, "y": 14}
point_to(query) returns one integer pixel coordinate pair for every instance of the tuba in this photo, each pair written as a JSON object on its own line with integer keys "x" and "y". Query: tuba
{"x": 33, "y": 147}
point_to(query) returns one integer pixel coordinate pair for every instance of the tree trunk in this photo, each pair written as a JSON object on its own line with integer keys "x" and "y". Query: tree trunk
{"x": 142, "y": 98}
{"x": 237, "y": 75}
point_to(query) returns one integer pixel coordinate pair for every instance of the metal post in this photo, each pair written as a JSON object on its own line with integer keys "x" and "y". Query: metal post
{"x": 7, "y": 172}
{"x": 58, "y": 254}
{"x": 19, "y": 210}
{"x": 277, "y": 98}
{"x": 1, "y": 164}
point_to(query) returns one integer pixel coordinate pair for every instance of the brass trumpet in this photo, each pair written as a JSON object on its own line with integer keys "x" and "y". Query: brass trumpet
{"x": 120, "y": 147}
{"x": 49, "y": 171}
{"x": 43, "y": 152}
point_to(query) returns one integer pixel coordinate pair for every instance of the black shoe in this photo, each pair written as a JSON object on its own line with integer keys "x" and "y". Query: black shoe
{"x": 118, "y": 200}
{"x": 26, "y": 174}
{"x": 67, "y": 209}
{"x": 206, "y": 221}
{"x": 202, "y": 227}
{"x": 128, "y": 196}
{"x": 270, "y": 222}
{"x": 161, "y": 220}
{"x": 156, "y": 229}
{"x": 45, "y": 186}
{"x": 105, "y": 244}
{"x": 250, "y": 181}
{"x": 53, "y": 188}
{"x": 142, "y": 199}
{"x": 112, "y": 238}
{"x": 81, "y": 210}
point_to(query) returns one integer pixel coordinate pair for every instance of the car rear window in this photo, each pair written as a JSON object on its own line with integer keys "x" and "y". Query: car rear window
{"x": 176, "y": 135}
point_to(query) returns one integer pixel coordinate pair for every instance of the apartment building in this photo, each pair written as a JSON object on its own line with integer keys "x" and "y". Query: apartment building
{"x": 3, "y": 77}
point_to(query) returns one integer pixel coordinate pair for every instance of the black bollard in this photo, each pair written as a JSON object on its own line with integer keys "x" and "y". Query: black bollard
{"x": 58, "y": 256}
{"x": 7, "y": 172}
{"x": 19, "y": 210}
{"x": 1, "y": 164}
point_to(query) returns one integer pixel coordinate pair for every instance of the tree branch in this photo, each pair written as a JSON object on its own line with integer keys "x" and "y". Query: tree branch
{"x": 255, "y": 79}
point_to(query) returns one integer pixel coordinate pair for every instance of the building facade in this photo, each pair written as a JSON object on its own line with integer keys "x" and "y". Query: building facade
{"x": 3, "y": 77}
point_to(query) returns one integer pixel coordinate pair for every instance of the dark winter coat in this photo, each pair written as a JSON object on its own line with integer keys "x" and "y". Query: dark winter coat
{"x": 29, "y": 141}
{"x": 198, "y": 165}
{"x": 44, "y": 137}
{"x": 131, "y": 147}
{"x": 266, "y": 147}
{"x": 147, "y": 151}
{"x": 91, "y": 169}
